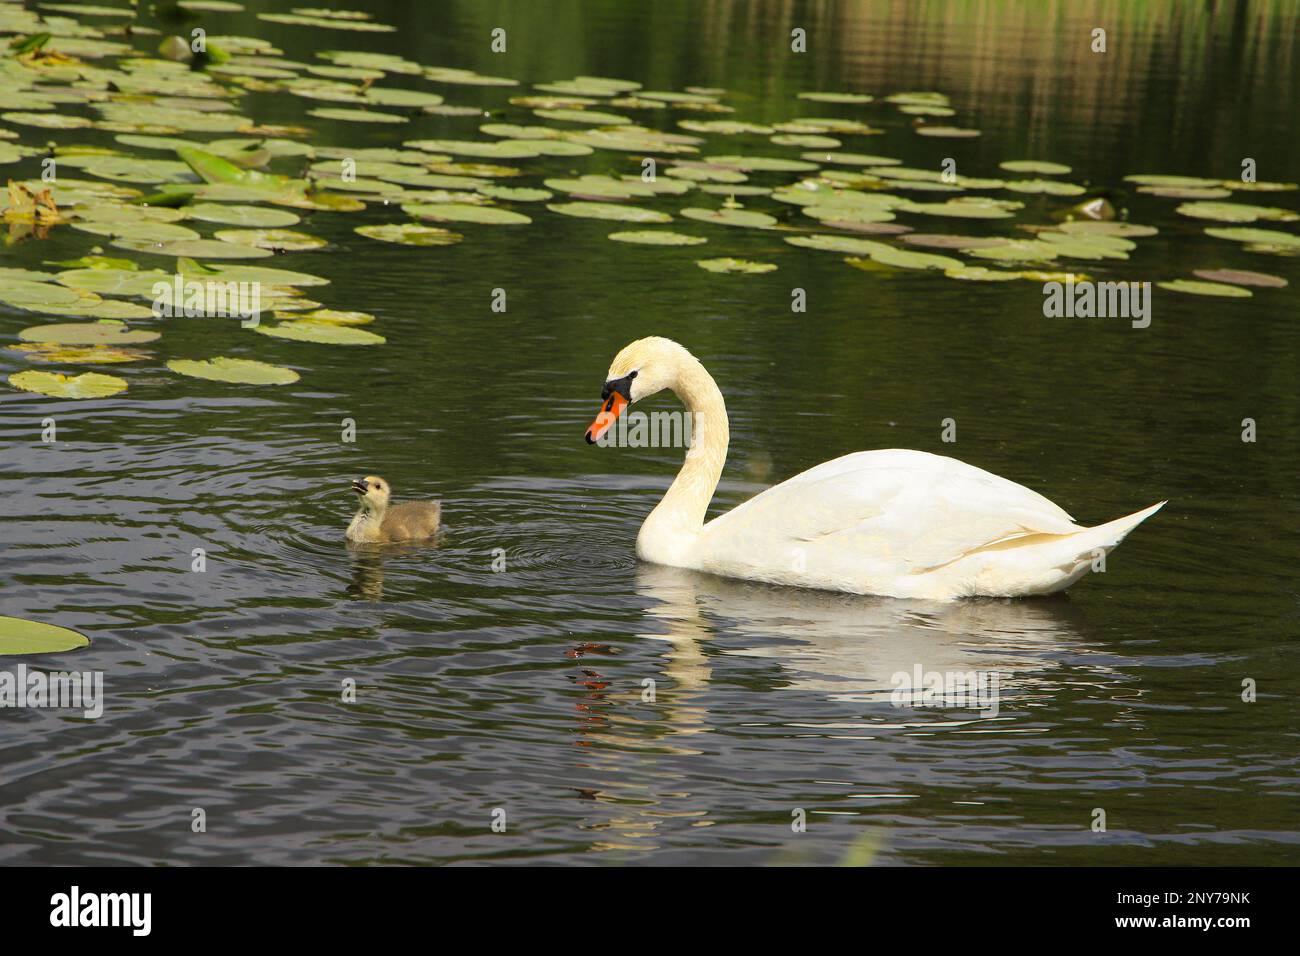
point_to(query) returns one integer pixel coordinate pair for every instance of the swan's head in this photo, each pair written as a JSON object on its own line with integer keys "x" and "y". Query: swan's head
{"x": 373, "y": 492}
{"x": 642, "y": 368}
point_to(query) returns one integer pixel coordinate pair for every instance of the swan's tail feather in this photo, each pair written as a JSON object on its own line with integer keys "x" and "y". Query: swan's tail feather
{"x": 1078, "y": 553}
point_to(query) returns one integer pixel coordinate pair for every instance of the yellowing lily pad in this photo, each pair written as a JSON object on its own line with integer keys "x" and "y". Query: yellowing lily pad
{"x": 1270, "y": 237}
{"x": 463, "y": 212}
{"x": 1192, "y": 287}
{"x": 232, "y": 214}
{"x": 18, "y": 636}
{"x": 654, "y": 237}
{"x": 844, "y": 244}
{"x": 611, "y": 211}
{"x": 1235, "y": 212}
{"x": 106, "y": 332}
{"x": 324, "y": 333}
{"x": 410, "y": 234}
{"x": 1034, "y": 167}
{"x": 77, "y": 355}
{"x": 234, "y": 370}
{"x": 745, "y": 266}
{"x": 743, "y": 218}
{"x": 86, "y": 385}
{"x": 277, "y": 240}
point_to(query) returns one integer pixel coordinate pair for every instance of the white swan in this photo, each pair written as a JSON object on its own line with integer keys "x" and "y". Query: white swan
{"x": 893, "y": 522}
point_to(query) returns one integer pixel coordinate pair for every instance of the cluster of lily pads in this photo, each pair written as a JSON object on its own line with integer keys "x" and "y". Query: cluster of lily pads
{"x": 193, "y": 187}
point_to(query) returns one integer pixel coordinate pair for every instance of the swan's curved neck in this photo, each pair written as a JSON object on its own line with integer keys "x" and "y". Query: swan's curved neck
{"x": 678, "y": 518}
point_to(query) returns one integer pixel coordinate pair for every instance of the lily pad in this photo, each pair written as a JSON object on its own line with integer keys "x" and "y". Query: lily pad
{"x": 355, "y": 115}
{"x": 1235, "y": 212}
{"x": 1271, "y": 237}
{"x": 844, "y": 244}
{"x": 743, "y": 218}
{"x": 653, "y": 237}
{"x": 981, "y": 274}
{"x": 277, "y": 240}
{"x": 234, "y": 370}
{"x": 1219, "y": 289}
{"x": 77, "y": 355}
{"x": 463, "y": 212}
{"x": 1034, "y": 167}
{"x": 231, "y": 214}
{"x": 1241, "y": 277}
{"x": 106, "y": 332}
{"x": 744, "y": 266}
{"x": 85, "y": 385}
{"x": 410, "y": 234}
{"x": 324, "y": 333}
{"x": 846, "y": 98}
{"x": 906, "y": 259}
{"x": 18, "y": 636}
{"x": 610, "y": 211}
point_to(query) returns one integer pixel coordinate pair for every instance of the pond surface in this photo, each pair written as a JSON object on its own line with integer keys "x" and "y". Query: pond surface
{"x": 522, "y": 689}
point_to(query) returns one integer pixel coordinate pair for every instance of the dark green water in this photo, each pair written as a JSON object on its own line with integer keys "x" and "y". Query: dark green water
{"x": 522, "y": 689}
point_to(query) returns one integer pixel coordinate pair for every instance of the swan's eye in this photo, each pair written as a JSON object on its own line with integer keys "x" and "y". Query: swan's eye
{"x": 632, "y": 374}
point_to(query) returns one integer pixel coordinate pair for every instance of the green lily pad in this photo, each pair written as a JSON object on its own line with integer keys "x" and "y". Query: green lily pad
{"x": 195, "y": 249}
{"x": 105, "y": 332}
{"x": 653, "y": 237}
{"x": 948, "y": 132}
{"x": 231, "y": 214}
{"x": 234, "y": 370}
{"x": 965, "y": 207}
{"x": 462, "y": 212}
{"x": 18, "y": 636}
{"x": 1219, "y": 289}
{"x": 805, "y": 141}
{"x": 843, "y": 244}
{"x": 846, "y": 98}
{"x": 981, "y": 274}
{"x": 725, "y": 127}
{"x": 1235, "y": 212}
{"x": 355, "y": 115}
{"x": 55, "y": 385}
{"x": 906, "y": 259}
{"x": 1086, "y": 227}
{"x": 1034, "y": 167}
{"x": 1272, "y": 237}
{"x": 277, "y": 240}
{"x": 392, "y": 96}
{"x": 610, "y": 211}
{"x": 516, "y": 193}
{"x": 410, "y": 234}
{"x": 763, "y": 164}
{"x": 743, "y": 218}
{"x": 740, "y": 266}
{"x": 1191, "y": 182}
{"x": 1046, "y": 187}
{"x": 324, "y": 333}
{"x": 852, "y": 159}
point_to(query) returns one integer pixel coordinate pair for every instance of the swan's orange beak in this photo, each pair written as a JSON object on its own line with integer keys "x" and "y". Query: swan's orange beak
{"x": 609, "y": 413}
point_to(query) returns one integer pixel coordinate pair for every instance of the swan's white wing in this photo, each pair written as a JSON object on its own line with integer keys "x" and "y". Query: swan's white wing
{"x": 874, "y": 516}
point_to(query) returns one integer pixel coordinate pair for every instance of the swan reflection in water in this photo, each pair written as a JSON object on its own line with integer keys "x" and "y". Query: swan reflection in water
{"x": 838, "y": 647}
